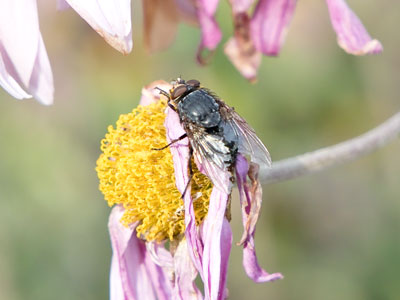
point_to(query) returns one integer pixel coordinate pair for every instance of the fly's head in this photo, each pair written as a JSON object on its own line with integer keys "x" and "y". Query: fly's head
{"x": 182, "y": 88}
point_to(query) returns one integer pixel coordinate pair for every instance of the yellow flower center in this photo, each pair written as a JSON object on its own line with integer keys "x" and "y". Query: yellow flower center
{"x": 142, "y": 179}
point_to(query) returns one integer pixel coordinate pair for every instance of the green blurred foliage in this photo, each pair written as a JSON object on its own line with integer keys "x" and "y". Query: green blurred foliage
{"x": 334, "y": 235}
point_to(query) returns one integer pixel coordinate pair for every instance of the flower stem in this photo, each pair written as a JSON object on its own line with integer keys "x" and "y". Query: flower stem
{"x": 323, "y": 158}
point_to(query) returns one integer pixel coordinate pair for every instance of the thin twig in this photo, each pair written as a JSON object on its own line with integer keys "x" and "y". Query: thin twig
{"x": 340, "y": 153}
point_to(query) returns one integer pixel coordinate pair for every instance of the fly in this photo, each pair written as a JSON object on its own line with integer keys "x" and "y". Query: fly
{"x": 217, "y": 134}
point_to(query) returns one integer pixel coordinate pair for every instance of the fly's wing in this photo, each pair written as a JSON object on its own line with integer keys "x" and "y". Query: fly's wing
{"x": 249, "y": 143}
{"x": 213, "y": 158}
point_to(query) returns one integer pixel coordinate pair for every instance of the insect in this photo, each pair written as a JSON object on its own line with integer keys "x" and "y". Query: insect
{"x": 215, "y": 131}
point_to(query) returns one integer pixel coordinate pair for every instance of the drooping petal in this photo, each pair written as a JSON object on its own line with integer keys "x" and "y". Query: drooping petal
{"x": 188, "y": 255}
{"x": 185, "y": 274}
{"x": 250, "y": 199}
{"x": 180, "y": 156}
{"x": 110, "y": 18}
{"x": 269, "y": 24}
{"x": 160, "y": 23}
{"x": 25, "y": 67}
{"x": 247, "y": 63}
{"x": 240, "y": 48}
{"x": 210, "y": 33}
{"x": 217, "y": 238}
{"x": 181, "y": 271}
{"x": 134, "y": 275}
{"x": 351, "y": 34}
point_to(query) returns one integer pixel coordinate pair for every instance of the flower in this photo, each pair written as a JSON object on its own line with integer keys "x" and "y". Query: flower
{"x": 266, "y": 30}
{"x": 160, "y": 241}
{"x": 25, "y": 70}
{"x": 263, "y": 32}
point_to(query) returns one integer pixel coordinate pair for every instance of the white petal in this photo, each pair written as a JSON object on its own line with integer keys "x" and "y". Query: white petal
{"x": 41, "y": 82}
{"x": 62, "y": 5}
{"x": 9, "y": 83}
{"x": 110, "y": 18}
{"x": 25, "y": 68}
{"x": 19, "y": 35}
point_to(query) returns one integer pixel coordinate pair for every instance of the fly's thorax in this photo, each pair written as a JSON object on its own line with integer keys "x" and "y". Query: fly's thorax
{"x": 200, "y": 108}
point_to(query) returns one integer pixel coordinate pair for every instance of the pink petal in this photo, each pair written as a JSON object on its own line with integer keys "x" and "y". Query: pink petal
{"x": 251, "y": 266}
{"x": 210, "y": 33}
{"x": 134, "y": 275}
{"x": 110, "y": 18}
{"x": 250, "y": 199}
{"x": 240, "y": 6}
{"x": 185, "y": 274}
{"x": 269, "y": 24}
{"x": 351, "y": 34}
{"x": 161, "y": 256}
{"x": 19, "y": 35}
{"x": 62, "y": 5}
{"x": 180, "y": 156}
{"x": 9, "y": 83}
{"x": 41, "y": 83}
{"x": 182, "y": 273}
{"x": 209, "y": 6}
{"x": 246, "y": 63}
{"x": 240, "y": 49}
{"x": 151, "y": 92}
{"x": 25, "y": 67}
{"x": 217, "y": 238}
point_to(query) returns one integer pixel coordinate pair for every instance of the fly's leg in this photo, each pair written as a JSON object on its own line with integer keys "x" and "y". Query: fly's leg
{"x": 172, "y": 142}
{"x": 166, "y": 94}
{"x": 162, "y": 92}
{"x": 190, "y": 172}
{"x": 172, "y": 106}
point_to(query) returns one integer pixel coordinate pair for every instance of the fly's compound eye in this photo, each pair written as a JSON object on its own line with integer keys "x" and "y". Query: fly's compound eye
{"x": 193, "y": 83}
{"x": 179, "y": 91}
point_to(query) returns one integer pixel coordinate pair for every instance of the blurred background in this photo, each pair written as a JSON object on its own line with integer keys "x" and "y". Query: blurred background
{"x": 334, "y": 235}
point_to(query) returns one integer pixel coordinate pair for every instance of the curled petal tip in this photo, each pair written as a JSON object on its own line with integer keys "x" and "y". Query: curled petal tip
{"x": 351, "y": 33}
{"x": 111, "y": 19}
{"x": 122, "y": 44}
{"x": 371, "y": 47}
{"x": 275, "y": 276}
